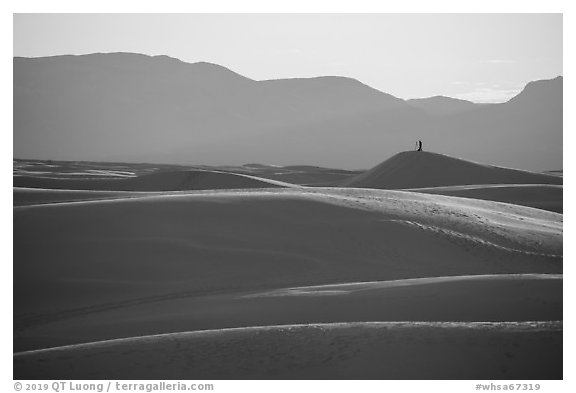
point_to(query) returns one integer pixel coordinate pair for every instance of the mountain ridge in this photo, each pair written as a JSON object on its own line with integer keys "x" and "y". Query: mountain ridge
{"x": 140, "y": 108}
{"x": 216, "y": 65}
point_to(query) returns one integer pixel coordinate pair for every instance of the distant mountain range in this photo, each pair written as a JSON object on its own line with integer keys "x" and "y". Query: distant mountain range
{"x": 442, "y": 106}
{"x": 138, "y": 108}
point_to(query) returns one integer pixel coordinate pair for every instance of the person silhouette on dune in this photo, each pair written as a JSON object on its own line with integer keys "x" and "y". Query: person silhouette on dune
{"x": 419, "y": 145}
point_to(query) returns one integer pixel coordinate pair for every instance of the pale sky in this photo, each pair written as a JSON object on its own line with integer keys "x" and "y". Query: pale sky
{"x": 479, "y": 57}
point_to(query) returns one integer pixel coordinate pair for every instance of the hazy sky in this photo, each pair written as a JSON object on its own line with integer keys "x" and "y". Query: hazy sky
{"x": 480, "y": 57}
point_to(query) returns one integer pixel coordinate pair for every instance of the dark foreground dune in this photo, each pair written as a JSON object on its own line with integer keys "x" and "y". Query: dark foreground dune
{"x": 379, "y": 350}
{"x": 516, "y": 297}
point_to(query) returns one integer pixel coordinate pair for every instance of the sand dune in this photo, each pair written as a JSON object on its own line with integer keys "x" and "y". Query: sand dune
{"x": 413, "y": 169}
{"x": 507, "y": 297}
{"x": 158, "y": 181}
{"x": 541, "y": 196}
{"x": 474, "y": 281}
{"x": 401, "y": 350}
{"x": 80, "y": 257}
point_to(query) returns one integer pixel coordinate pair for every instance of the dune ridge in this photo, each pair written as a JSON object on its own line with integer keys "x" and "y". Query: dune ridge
{"x": 351, "y": 287}
{"x": 523, "y": 325}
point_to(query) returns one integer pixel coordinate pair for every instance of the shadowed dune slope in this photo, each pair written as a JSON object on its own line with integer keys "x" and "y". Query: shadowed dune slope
{"x": 498, "y": 350}
{"x": 540, "y": 196}
{"x": 158, "y": 181}
{"x": 84, "y": 256}
{"x": 413, "y": 169}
